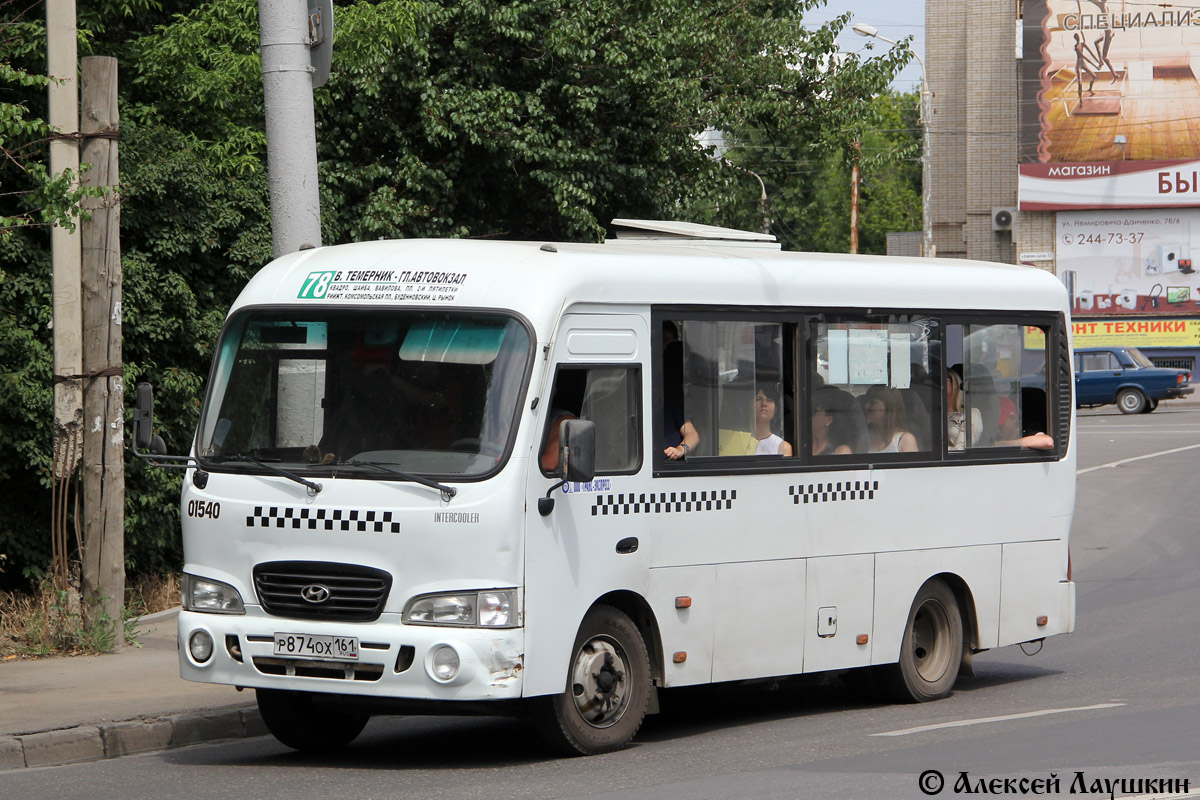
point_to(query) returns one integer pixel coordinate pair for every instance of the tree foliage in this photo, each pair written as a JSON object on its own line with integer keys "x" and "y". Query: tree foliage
{"x": 539, "y": 119}
{"x": 808, "y": 187}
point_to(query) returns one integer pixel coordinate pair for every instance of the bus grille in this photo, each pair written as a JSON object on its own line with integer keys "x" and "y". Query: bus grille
{"x": 321, "y": 591}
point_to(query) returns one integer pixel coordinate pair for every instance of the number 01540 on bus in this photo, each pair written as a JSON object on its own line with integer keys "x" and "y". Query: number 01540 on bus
{"x": 558, "y": 479}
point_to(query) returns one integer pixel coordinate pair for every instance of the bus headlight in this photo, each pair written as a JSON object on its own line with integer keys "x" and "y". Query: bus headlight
{"x": 494, "y": 608}
{"x": 210, "y": 597}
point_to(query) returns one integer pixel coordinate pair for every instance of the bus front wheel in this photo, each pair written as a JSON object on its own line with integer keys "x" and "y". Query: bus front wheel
{"x": 608, "y": 687}
{"x": 302, "y": 722}
{"x": 931, "y": 650}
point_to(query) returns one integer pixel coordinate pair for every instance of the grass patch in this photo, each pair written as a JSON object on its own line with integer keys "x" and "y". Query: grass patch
{"x": 49, "y": 622}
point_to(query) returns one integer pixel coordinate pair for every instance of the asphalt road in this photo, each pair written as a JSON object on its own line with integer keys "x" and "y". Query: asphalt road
{"x": 1118, "y": 699}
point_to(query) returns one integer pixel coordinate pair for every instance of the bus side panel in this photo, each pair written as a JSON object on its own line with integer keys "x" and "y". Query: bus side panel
{"x": 1034, "y": 585}
{"x": 759, "y": 627}
{"x": 898, "y": 577}
{"x": 685, "y": 630}
{"x": 840, "y": 605}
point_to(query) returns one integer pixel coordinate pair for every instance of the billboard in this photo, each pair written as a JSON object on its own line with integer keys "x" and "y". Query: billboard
{"x": 1135, "y": 262}
{"x": 1108, "y": 92}
{"x": 1147, "y": 333}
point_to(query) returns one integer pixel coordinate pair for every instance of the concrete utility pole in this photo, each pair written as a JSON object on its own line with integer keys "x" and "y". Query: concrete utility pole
{"x": 103, "y": 579}
{"x": 854, "y": 180}
{"x": 285, "y": 39}
{"x": 61, "y": 66}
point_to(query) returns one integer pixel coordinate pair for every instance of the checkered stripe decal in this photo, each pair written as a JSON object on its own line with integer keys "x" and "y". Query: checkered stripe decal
{"x": 663, "y": 502}
{"x": 833, "y": 492}
{"x": 327, "y": 519}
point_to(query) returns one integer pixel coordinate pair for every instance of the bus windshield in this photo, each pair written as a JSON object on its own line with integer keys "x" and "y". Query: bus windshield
{"x": 420, "y": 392}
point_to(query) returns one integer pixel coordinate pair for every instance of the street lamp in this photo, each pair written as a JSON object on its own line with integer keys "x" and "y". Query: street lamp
{"x": 871, "y": 32}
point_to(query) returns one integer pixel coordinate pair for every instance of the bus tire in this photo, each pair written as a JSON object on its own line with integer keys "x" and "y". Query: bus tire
{"x": 1131, "y": 401}
{"x": 931, "y": 650}
{"x": 607, "y": 691}
{"x": 300, "y": 721}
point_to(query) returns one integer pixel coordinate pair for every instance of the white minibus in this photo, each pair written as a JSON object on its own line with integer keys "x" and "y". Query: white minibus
{"x": 557, "y": 479}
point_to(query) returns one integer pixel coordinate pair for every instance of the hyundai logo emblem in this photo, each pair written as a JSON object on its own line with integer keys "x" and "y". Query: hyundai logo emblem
{"x": 314, "y": 593}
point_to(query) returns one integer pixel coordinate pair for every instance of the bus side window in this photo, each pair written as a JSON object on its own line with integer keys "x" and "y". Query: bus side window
{"x": 1000, "y": 373}
{"x": 609, "y": 397}
{"x": 725, "y": 379}
{"x": 871, "y": 387}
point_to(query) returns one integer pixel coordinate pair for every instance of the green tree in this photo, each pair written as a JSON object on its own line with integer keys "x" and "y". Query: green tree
{"x": 538, "y": 119}
{"x": 808, "y": 186}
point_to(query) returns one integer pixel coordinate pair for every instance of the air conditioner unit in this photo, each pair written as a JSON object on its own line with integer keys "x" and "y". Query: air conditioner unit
{"x": 1002, "y": 218}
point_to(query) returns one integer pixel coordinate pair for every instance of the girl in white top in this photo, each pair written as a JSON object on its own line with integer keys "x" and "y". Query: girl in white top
{"x": 766, "y": 402}
{"x": 886, "y": 421}
{"x": 956, "y": 418}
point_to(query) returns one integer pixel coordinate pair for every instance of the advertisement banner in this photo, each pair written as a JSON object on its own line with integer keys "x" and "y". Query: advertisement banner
{"x": 1105, "y": 90}
{"x": 1125, "y": 333}
{"x": 1130, "y": 262}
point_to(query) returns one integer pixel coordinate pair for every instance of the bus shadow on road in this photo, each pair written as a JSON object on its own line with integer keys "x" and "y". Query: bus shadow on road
{"x": 407, "y": 743}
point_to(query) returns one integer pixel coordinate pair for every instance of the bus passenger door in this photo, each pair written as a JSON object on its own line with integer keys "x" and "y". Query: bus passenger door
{"x": 593, "y": 541}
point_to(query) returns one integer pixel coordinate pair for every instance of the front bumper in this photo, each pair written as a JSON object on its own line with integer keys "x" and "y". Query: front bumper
{"x": 394, "y": 659}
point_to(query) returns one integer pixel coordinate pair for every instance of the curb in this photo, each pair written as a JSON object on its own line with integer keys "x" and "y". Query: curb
{"x": 112, "y": 740}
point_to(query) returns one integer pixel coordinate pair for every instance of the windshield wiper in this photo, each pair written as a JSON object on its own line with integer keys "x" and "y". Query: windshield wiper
{"x": 383, "y": 466}
{"x": 313, "y": 487}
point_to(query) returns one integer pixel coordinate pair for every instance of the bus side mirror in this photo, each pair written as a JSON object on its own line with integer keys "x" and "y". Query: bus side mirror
{"x": 576, "y": 458}
{"x": 143, "y": 416}
{"x": 577, "y": 450}
{"x": 143, "y": 422}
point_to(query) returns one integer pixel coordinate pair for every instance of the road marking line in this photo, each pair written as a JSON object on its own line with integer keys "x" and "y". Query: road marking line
{"x": 1136, "y": 458}
{"x": 980, "y": 720}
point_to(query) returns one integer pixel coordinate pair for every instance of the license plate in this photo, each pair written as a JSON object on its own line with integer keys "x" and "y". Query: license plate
{"x": 303, "y": 645}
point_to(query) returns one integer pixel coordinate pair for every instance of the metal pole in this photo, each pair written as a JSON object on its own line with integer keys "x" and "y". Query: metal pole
{"x": 923, "y": 112}
{"x": 291, "y": 124}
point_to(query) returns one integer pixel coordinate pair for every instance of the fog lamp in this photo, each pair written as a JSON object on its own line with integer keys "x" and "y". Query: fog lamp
{"x": 445, "y": 663}
{"x": 200, "y": 645}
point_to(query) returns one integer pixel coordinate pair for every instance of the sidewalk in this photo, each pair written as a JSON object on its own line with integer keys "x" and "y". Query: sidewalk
{"x": 86, "y": 708}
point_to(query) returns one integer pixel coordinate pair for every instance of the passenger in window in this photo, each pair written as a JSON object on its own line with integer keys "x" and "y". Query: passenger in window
{"x": 833, "y": 422}
{"x": 1009, "y": 433}
{"x": 956, "y": 418}
{"x": 887, "y": 422}
{"x": 565, "y": 403}
{"x": 768, "y": 417}
{"x": 679, "y": 435}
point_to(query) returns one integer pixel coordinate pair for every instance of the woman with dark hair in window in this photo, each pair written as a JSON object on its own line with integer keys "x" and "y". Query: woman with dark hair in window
{"x": 766, "y": 418}
{"x": 834, "y": 423}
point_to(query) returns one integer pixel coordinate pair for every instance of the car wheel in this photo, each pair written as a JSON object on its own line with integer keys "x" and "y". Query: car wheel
{"x": 309, "y": 722}
{"x": 931, "y": 651}
{"x": 1131, "y": 401}
{"x": 1150, "y": 406}
{"x": 608, "y": 688}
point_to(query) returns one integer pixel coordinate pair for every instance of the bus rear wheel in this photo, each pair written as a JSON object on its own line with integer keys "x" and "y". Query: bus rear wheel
{"x": 303, "y": 722}
{"x": 608, "y": 687}
{"x": 931, "y": 650}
